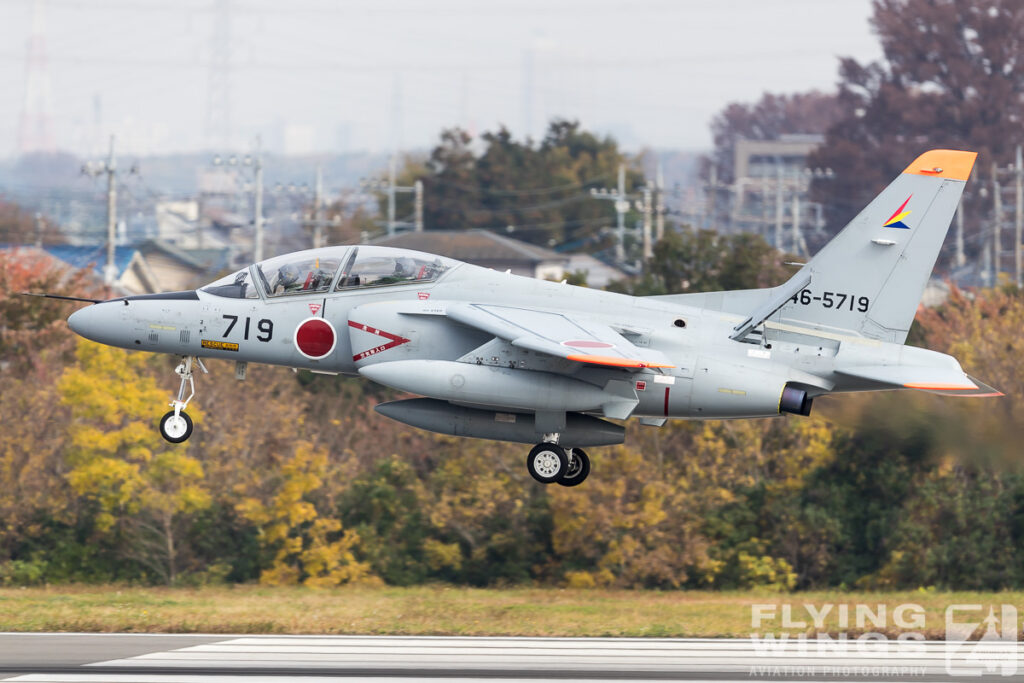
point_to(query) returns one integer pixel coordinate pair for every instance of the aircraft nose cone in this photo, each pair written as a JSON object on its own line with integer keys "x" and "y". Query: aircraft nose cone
{"x": 97, "y": 322}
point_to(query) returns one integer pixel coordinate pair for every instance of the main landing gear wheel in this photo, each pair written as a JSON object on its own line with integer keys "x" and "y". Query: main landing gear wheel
{"x": 578, "y": 469}
{"x": 176, "y": 428}
{"x": 547, "y": 462}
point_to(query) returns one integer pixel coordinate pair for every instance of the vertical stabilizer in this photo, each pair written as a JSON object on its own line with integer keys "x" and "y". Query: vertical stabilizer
{"x": 869, "y": 279}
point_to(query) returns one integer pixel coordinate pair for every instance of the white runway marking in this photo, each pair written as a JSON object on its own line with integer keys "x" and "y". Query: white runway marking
{"x": 136, "y": 678}
{"x": 254, "y": 659}
{"x": 572, "y": 654}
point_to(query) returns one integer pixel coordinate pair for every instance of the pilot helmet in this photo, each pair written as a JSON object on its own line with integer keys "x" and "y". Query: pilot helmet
{"x": 288, "y": 274}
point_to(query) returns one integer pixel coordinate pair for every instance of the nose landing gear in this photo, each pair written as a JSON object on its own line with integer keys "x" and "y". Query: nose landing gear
{"x": 176, "y": 425}
{"x": 549, "y": 463}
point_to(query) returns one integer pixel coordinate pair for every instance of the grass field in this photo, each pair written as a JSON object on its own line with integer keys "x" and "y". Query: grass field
{"x": 442, "y": 610}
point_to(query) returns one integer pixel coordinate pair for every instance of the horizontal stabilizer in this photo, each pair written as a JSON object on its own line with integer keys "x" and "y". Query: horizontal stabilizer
{"x": 981, "y": 391}
{"x": 934, "y": 379}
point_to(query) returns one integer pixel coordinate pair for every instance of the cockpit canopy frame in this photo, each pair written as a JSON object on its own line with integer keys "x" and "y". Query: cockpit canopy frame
{"x": 331, "y": 269}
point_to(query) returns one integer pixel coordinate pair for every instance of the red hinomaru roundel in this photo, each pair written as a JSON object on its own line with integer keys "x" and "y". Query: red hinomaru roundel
{"x": 315, "y": 338}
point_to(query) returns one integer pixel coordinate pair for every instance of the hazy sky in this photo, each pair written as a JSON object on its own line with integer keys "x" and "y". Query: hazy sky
{"x": 312, "y": 75}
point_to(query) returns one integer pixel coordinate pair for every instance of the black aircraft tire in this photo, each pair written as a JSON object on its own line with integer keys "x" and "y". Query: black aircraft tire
{"x": 547, "y": 462}
{"x": 175, "y": 435}
{"x": 578, "y": 469}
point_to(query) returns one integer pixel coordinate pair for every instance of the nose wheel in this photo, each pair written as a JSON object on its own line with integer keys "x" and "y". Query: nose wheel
{"x": 549, "y": 463}
{"x": 176, "y": 425}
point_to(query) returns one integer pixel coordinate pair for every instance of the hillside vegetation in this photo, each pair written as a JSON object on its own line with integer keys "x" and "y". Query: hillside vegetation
{"x": 293, "y": 479}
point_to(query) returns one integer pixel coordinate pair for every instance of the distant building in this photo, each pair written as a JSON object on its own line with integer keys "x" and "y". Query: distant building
{"x": 769, "y": 194}
{"x": 757, "y": 159}
{"x": 153, "y": 266}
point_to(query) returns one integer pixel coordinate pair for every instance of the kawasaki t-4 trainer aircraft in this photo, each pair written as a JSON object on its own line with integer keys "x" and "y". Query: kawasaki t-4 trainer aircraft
{"x": 497, "y": 356}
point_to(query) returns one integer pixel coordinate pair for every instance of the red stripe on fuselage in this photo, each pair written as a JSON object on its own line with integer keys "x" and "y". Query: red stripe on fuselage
{"x": 395, "y": 340}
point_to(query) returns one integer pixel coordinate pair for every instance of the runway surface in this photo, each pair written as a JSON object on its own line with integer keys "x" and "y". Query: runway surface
{"x": 121, "y": 658}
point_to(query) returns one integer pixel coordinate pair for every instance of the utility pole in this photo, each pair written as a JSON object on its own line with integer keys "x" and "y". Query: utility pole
{"x": 390, "y": 190}
{"x": 621, "y": 207}
{"x": 110, "y": 272}
{"x": 987, "y": 276}
{"x": 646, "y": 237}
{"x": 960, "y": 258}
{"x": 709, "y": 214}
{"x": 256, "y": 163}
{"x": 780, "y": 210}
{"x": 108, "y": 168}
{"x": 318, "y": 208}
{"x": 997, "y": 211}
{"x": 659, "y": 207}
{"x": 797, "y": 238}
{"x": 39, "y": 225}
{"x": 391, "y": 195}
{"x": 1019, "y": 225}
{"x": 418, "y": 206}
{"x": 621, "y": 200}
{"x": 315, "y": 219}
{"x": 257, "y": 219}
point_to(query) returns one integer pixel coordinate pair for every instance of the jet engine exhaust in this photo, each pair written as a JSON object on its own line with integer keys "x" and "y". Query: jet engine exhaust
{"x": 795, "y": 401}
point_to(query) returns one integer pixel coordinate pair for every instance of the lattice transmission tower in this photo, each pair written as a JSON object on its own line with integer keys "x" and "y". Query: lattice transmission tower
{"x": 35, "y": 131}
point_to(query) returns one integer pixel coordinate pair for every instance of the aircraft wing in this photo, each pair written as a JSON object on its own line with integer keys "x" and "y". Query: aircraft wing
{"x": 562, "y": 335}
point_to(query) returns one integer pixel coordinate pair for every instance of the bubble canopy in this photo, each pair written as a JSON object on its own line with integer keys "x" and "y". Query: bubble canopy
{"x": 316, "y": 271}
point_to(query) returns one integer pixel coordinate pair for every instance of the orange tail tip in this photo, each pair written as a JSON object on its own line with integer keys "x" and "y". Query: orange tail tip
{"x": 944, "y": 163}
{"x": 615, "y": 362}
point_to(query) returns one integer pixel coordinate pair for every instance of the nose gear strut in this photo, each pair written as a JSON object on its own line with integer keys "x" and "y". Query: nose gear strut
{"x": 176, "y": 425}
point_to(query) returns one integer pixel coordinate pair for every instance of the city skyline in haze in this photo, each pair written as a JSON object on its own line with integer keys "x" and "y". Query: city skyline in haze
{"x": 317, "y": 76}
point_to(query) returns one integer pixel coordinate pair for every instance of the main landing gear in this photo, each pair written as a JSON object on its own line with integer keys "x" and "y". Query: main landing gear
{"x": 176, "y": 426}
{"x": 549, "y": 463}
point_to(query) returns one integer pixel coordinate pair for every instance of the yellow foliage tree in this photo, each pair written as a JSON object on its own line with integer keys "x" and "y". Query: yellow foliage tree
{"x": 308, "y": 549}
{"x": 118, "y": 459}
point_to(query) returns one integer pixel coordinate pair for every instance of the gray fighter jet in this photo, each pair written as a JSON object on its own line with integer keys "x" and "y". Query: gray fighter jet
{"x": 497, "y": 356}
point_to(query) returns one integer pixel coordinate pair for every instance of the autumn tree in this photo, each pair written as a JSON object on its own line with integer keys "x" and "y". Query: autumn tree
{"x": 32, "y": 328}
{"x": 706, "y": 261}
{"x": 18, "y": 226}
{"x": 142, "y": 487}
{"x": 950, "y": 76}
{"x": 536, "y": 190}
{"x": 35, "y": 345}
{"x": 307, "y": 547}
